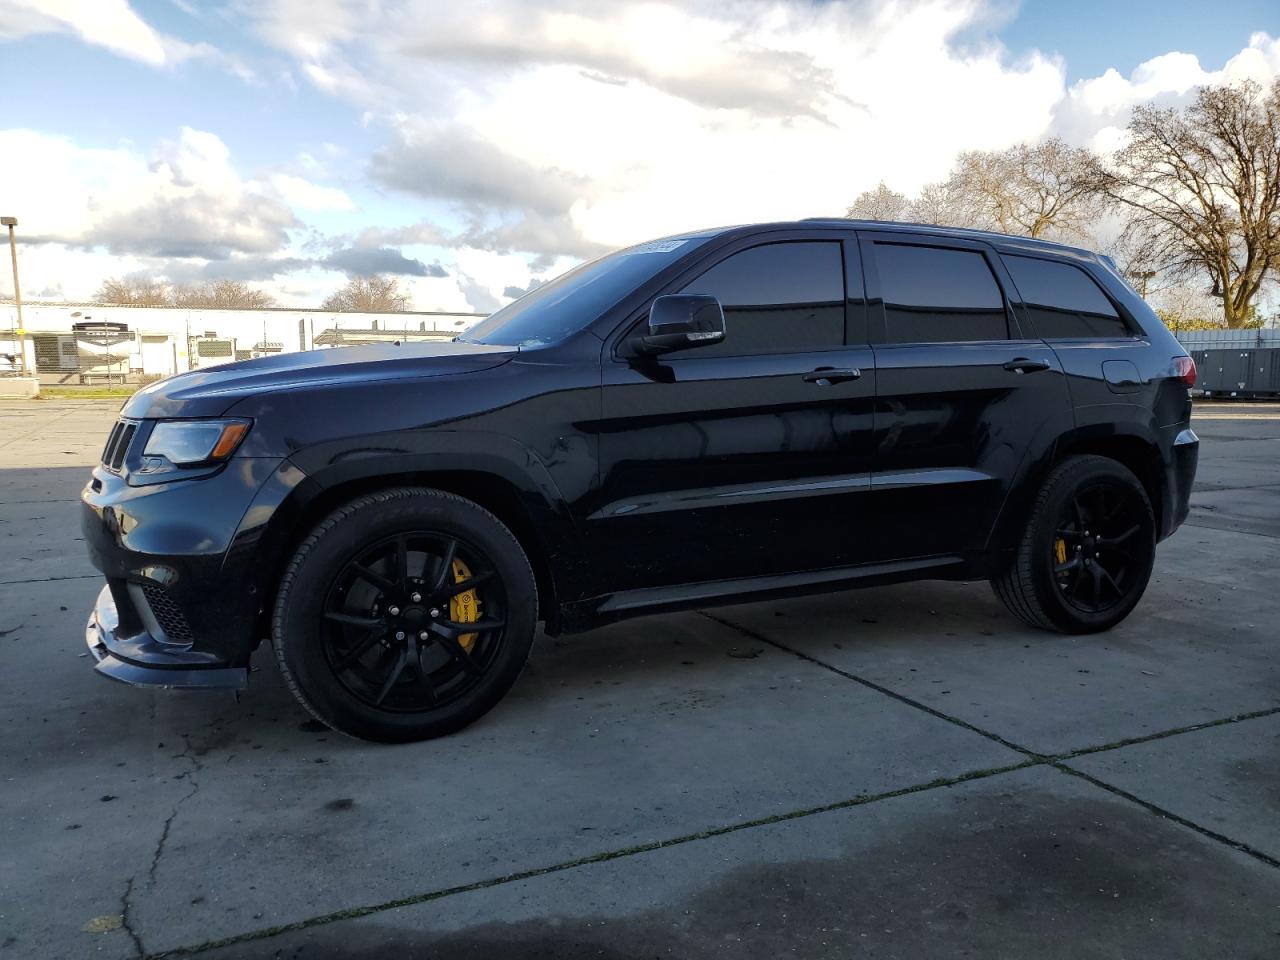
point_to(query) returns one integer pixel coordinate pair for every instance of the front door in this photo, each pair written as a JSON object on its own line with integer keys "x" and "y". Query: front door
{"x": 961, "y": 394}
{"x": 748, "y": 457}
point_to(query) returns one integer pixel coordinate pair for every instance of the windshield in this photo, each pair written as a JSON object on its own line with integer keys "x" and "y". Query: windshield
{"x": 568, "y": 303}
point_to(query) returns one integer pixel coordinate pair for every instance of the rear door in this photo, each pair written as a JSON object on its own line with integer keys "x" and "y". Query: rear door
{"x": 962, "y": 394}
{"x": 748, "y": 457}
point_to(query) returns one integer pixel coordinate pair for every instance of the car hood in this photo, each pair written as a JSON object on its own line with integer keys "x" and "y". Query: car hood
{"x": 211, "y": 391}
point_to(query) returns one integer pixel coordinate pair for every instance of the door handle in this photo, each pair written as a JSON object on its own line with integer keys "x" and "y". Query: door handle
{"x": 825, "y": 376}
{"x": 1023, "y": 365}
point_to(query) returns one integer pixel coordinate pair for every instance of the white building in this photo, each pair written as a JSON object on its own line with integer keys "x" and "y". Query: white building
{"x": 81, "y": 342}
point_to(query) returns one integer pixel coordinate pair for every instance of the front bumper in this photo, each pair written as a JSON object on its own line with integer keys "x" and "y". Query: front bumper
{"x": 142, "y": 659}
{"x": 186, "y": 573}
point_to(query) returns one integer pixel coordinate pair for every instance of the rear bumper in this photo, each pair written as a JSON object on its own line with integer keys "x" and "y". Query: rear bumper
{"x": 1181, "y": 476}
{"x": 141, "y": 659}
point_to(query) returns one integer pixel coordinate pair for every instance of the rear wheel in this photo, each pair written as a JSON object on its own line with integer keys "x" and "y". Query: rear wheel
{"x": 1086, "y": 557}
{"x": 406, "y": 614}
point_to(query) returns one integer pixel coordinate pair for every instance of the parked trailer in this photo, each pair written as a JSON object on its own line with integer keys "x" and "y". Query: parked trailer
{"x": 1239, "y": 364}
{"x": 103, "y": 350}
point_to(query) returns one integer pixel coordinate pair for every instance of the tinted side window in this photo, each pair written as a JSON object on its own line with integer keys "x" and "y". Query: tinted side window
{"x": 933, "y": 295}
{"x": 778, "y": 298}
{"x": 1063, "y": 301}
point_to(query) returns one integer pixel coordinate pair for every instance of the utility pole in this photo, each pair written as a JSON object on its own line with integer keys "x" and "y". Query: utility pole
{"x": 1144, "y": 276}
{"x": 12, "y": 222}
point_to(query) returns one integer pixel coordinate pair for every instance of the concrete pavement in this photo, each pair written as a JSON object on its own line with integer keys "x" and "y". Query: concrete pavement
{"x": 904, "y": 771}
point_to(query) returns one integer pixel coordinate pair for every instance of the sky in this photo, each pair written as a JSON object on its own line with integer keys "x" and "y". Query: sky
{"x": 476, "y": 149}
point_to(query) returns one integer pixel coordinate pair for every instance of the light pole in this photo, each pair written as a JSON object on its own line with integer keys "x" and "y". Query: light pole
{"x": 12, "y": 222}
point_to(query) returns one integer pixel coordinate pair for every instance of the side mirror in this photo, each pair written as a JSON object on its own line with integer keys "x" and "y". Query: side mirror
{"x": 678, "y": 322}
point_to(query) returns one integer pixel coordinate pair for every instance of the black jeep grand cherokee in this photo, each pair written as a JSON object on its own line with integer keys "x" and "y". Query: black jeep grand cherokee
{"x": 712, "y": 418}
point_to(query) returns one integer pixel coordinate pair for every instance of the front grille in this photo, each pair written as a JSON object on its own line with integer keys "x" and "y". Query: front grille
{"x": 118, "y": 444}
{"x": 167, "y": 614}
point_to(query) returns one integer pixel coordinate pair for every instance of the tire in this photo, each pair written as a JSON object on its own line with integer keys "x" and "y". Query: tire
{"x": 367, "y": 624}
{"x": 1085, "y": 558}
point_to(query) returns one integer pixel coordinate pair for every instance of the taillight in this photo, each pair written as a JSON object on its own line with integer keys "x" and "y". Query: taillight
{"x": 1184, "y": 368}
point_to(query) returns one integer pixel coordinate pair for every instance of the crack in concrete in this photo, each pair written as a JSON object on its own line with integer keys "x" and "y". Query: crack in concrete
{"x": 196, "y": 767}
{"x": 125, "y": 923}
{"x": 189, "y": 755}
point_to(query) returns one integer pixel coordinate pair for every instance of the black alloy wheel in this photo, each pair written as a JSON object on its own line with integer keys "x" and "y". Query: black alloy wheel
{"x": 414, "y": 621}
{"x": 1085, "y": 558}
{"x": 1097, "y": 545}
{"x": 405, "y": 614}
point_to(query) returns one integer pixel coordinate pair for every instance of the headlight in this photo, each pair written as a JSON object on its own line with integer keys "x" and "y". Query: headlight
{"x": 174, "y": 444}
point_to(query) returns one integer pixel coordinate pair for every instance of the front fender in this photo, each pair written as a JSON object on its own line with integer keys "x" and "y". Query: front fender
{"x": 324, "y": 471}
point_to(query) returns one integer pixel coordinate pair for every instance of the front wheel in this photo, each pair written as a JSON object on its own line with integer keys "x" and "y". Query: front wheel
{"x": 406, "y": 614}
{"x": 1086, "y": 557}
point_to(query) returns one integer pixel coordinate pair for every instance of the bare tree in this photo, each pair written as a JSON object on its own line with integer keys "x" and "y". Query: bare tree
{"x": 937, "y": 205}
{"x": 369, "y": 295}
{"x": 1032, "y": 190}
{"x": 1201, "y": 187}
{"x": 882, "y": 203}
{"x": 148, "y": 292}
{"x": 134, "y": 292}
{"x": 1185, "y": 307}
{"x": 222, "y": 294}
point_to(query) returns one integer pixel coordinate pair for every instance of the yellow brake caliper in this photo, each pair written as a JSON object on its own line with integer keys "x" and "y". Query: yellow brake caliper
{"x": 465, "y": 607}
{"x": 1060, "y": 550}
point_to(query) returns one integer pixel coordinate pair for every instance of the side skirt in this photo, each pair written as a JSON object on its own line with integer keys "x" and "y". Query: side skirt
{"x": 607, "y": 608}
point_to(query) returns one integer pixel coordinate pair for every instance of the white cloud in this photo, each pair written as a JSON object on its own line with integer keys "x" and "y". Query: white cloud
{"x": 104, "y": 23}
{"x": 112, "y": 25}
{"x": 515, "y": 135}
{"x": 183, "y": 200}
{"x": 304, "y": 194}
{"x": 667, "y": 147}
{"x": 1095, "y": 110}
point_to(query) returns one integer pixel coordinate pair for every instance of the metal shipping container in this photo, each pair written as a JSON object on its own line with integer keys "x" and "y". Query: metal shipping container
{"x": 1241, "y": 364}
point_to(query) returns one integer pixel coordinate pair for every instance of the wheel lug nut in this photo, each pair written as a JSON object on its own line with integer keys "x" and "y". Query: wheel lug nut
{"x": 424, "y": 635}
{"x": 394, "y": 611}
{"x": 435, "y": 612}
{"x": 399, "y": 634}
{"x": 416, "y": 597}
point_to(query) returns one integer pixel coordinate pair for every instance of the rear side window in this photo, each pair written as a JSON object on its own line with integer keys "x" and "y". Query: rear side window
{"x": 778, "y": 298}
{"x": 1063, "y": 301}
{"x": 936, "y": 295}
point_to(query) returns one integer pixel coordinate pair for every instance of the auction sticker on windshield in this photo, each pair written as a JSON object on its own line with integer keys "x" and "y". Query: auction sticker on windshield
{"x": 655, "y": 246}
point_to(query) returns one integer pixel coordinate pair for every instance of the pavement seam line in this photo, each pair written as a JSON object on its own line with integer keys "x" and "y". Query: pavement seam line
{"x": 1165, "y": 734}
{"x": 1168, "y": 814}
{"x": 40, "y": 429}
{"x": 878, "y": 688}
{"x": 1224, "y": 528}
{"x": 1055, "y": 761}
{"x": 1042, "y": 757}
{"x": 79, "y": 576}
{"x": 354, "y": 913}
